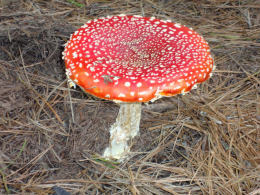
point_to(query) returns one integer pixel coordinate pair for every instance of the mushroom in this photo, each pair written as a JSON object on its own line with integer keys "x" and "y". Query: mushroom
{"x": 134, "y": 59}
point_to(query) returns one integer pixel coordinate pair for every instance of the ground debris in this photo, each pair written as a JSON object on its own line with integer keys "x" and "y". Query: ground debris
{"x": 202, "y": 143}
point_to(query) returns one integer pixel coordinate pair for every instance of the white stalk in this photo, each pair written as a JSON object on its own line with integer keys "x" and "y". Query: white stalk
{"x": 125, "y": 128}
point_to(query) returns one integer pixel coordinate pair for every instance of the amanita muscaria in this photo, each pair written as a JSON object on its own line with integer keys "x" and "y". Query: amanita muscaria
{"x": 134, "y": 59}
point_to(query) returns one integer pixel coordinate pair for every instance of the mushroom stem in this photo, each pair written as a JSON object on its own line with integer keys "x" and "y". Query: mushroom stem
{"x": 125, "y": 128}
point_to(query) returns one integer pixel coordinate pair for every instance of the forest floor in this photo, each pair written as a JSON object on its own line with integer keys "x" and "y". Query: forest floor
{"x": 206, "y": 142}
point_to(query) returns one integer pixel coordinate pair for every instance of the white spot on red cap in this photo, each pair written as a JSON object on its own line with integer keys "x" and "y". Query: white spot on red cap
{"x": 121, "y": 95}
{"x": 177, "y": 25}
{"x": 127, "y": 84}
{"x": 75, "y": 55}
{"x": 139, "y": 84}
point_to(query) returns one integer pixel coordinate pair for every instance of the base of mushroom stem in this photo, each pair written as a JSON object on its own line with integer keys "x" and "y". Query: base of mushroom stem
{"x": 125, "y": 128}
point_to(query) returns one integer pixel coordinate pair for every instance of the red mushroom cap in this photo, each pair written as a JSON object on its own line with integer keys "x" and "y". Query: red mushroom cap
{"x": 136, "y": 59}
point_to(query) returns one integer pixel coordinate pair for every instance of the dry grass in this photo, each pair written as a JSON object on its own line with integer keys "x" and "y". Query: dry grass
{"x": 206, "y": 142}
